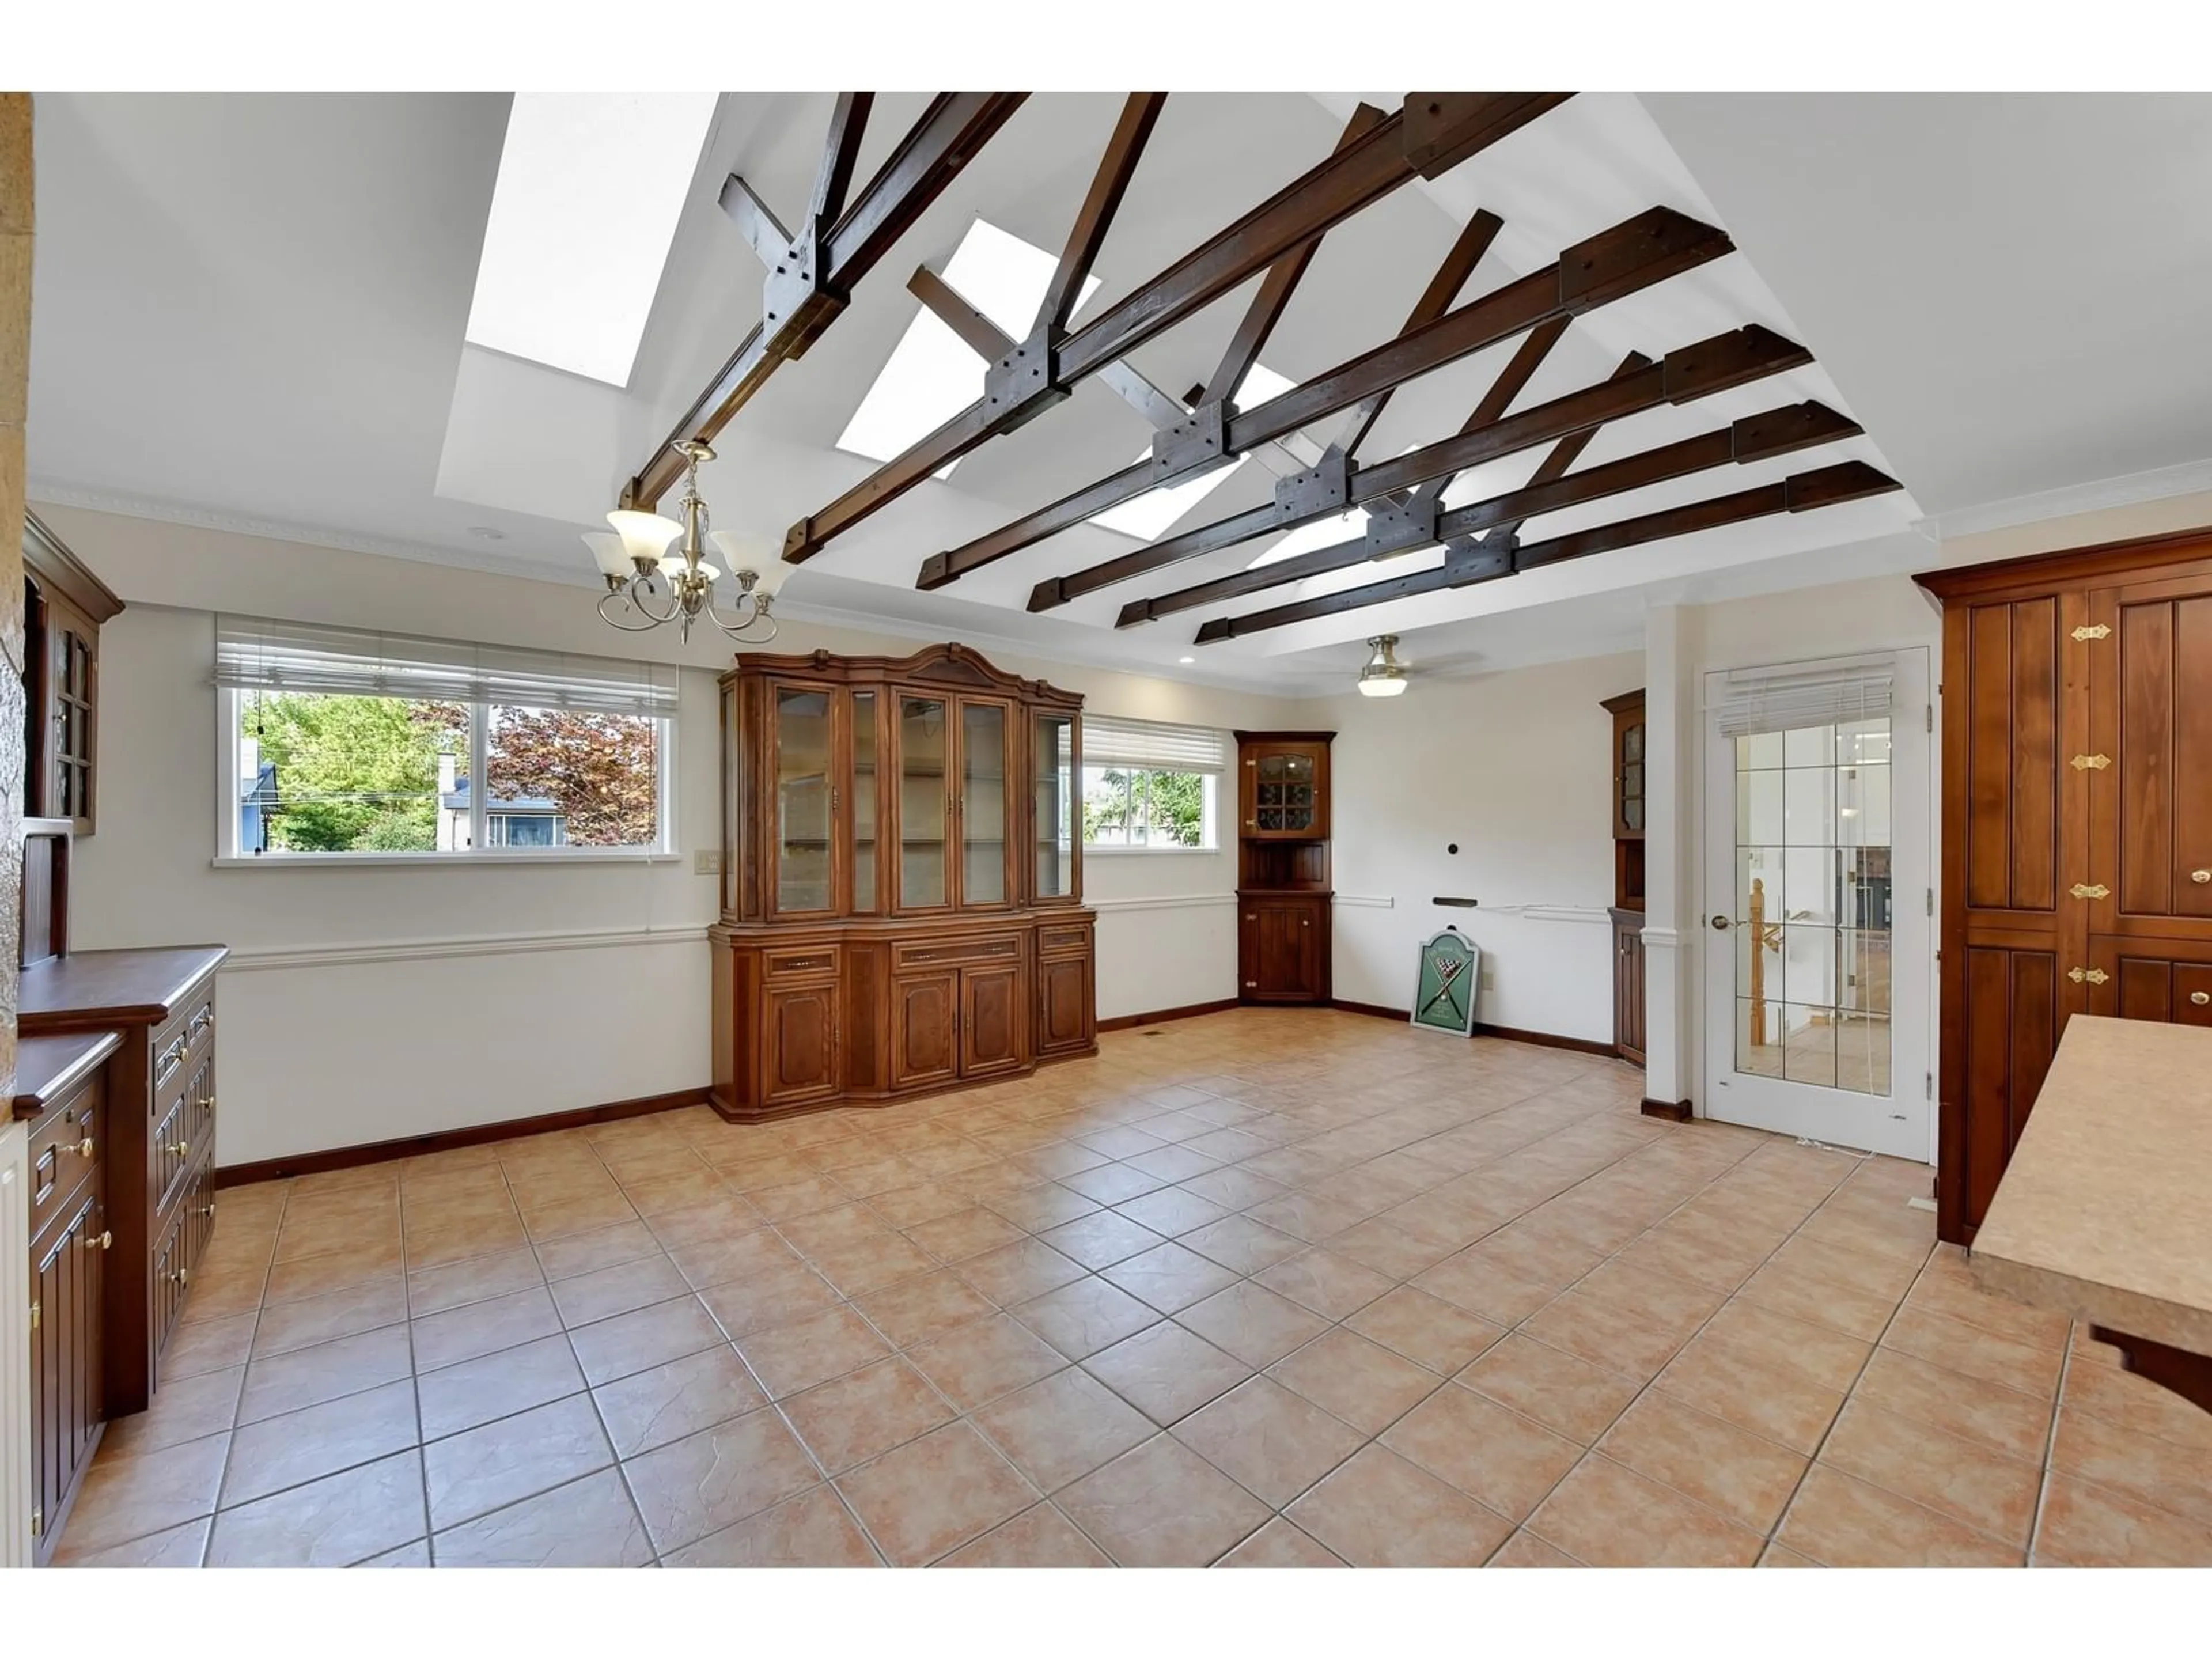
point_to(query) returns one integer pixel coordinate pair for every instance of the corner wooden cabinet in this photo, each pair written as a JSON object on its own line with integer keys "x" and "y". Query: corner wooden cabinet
{"x": 1628, "y": 795}
{"x": 902, "y": 899}
{"x": 63, "y": 606}
{"x": 2077, "y": 824}
{"x": 1283, "y": 893}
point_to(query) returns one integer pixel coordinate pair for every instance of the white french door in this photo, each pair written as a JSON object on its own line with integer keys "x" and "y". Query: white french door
{"x": 1818, "y": 952}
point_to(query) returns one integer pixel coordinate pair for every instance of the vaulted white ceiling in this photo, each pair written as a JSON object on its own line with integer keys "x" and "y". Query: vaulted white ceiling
{"x": 249, "y": 310}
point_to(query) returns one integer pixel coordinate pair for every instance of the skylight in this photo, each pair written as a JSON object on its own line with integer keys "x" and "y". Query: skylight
{"x": 590, "y": 187}
{"x": 1150, "y": 514}
{"x": 933, "y": 373}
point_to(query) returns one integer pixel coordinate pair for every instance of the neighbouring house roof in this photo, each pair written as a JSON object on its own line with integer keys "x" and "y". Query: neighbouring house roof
{"x": 261, "y": 790}
{"x": 456, "y": 799}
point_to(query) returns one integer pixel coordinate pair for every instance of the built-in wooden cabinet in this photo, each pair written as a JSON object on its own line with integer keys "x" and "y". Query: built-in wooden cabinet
{"x": 63, "y": 606}
{"x": 2077, "y": 824}
{"x": 1283, "y": 892}
{"x": 1629, "y": 792}
{"x": 903, "y": 879}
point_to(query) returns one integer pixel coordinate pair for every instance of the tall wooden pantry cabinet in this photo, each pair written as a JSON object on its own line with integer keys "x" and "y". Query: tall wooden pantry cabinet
{"x": 2077, "y": 823}
{"x": 902, "y": 880}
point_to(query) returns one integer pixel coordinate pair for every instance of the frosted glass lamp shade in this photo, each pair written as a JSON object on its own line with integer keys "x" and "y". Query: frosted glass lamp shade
{"x": 671, "y": 565}
{"x": 1382, "y": 688}
{"x": 608, "y": 553}
{"x": 754, "y": 553}
{"x": 646, "y": 535}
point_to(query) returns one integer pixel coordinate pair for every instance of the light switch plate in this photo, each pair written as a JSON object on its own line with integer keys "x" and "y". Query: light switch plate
{"x": 706, "y": 861}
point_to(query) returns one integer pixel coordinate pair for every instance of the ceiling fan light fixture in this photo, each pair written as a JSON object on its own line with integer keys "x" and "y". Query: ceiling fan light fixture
{"x": 1384, "y": 676}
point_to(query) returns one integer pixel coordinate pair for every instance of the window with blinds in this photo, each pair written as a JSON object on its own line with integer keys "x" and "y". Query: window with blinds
{"x": 348, "y": 743}
{"x": 1148, "y": 785}
{"x": 1830, "y": 693}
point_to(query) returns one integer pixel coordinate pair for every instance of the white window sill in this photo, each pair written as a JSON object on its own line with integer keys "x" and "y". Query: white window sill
{"x": 437, "y": 860}
{"x": 1091, "y": 851}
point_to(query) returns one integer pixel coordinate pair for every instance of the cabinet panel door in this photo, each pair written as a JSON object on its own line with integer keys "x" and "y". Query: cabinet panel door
{"x": 800, "y": 1059}
{"x": 985, "y": 813}
{"x": 2015, "y": 773}
{"x": 2151, "y": 799}
{"x": 66, "y": 1354}
{"x": 925, "y": 1020}
{"x": 924, "y": 747}
{"x": 993, "y": 1020}
{"x": 172, "y": 1277}
{"x": 1064, "y": 1004}
{"x": 1289, "y": 792}
{"x": 802, "y": 798}
{"x": 1628, "y": 775}
{"x": 2169, "y": 981}
{"x": 2013, "y": 1015}
{"x": 72, "y": 663}
{"x": 1282, "y": 951}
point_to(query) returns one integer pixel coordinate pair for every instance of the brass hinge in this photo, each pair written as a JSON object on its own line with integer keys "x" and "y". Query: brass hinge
{"x": 2094, "y": 975}
{"x": 34, "y": 1315}
{"x": 38, "y": 1522}
{"x": 2093, "y": 631}
{"x": 2090, "y": 762}
{"x": 1931, "y": 901}
{"x": 2084, "y": 889}
{"x": 1931, "y": 716}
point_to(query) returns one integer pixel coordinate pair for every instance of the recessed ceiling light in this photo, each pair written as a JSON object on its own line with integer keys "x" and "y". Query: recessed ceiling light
{"x": 487, "y": 533}
{"x": 1186, "y": 659}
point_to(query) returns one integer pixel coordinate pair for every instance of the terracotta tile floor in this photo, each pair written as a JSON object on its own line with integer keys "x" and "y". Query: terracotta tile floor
{"x": 1268, "y": 1288}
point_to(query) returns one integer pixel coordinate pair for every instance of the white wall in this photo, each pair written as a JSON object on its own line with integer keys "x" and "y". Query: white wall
{"x": 370, "y": 1002}
{"x": 1511, "y": 767}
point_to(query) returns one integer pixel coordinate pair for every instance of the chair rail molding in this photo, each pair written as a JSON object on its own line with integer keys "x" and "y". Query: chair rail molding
{"x": 477, "y": 945}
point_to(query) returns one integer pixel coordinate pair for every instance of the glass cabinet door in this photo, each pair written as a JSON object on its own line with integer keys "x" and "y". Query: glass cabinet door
{"x": 1054, "y": 825}
{"x": 983, "y": 804}
{"x": 802, "y": 802}
{"x": 863, "y": 802}
{"x": 924, "y": 751}
{"x": 1285, "y": 799}
{"x": 1628, "y": 808}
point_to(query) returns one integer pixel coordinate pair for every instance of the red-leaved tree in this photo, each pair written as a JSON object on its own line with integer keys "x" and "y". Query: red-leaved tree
{"x": 601, "y": 770}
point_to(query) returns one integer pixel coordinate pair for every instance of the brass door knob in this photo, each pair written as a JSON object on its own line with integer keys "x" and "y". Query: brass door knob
{"x": 83, "y": 1149}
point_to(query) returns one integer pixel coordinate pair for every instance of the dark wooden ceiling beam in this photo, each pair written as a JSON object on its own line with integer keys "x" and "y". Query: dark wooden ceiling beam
{"x": 977, "y": 332}
{"x": 1550, "y": 488}
{"x": 1803, "y": 492}
{"x": 1728, "y": 359}
{"x": 1642, "y": 251}
{"x": 1443, "y": 129}
{"x": 1108, "y": 185}
{"x": 811, "y": 280}
{"x": 1272, "y": 297}
{"x": 1357, "y": 175}
{"x": 840, "y": 154}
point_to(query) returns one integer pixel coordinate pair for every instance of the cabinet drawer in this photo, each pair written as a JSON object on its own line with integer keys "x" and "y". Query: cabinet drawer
{"x": 169, "y": 1152}
{"x": 170, "y": 1274}
{"x": 2192, "y": 994}
{"x": 1063, "y": 941}
{"x": 821, "y": 961}
{"x": 66, "y": 1144}
{"x": 1005, "y": 948}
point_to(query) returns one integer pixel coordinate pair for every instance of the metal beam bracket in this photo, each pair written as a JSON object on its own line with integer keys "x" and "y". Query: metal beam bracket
{"x": 1394, "y": 529}
{"x": 1196, "y": 443}
{"x": 1326, "y": 487}
{"x": 797, "y": 302}
{"x": 1024, "y": 383}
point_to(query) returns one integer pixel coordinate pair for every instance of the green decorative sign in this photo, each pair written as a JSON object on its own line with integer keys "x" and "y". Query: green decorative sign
{"x": 1444, "y": 986}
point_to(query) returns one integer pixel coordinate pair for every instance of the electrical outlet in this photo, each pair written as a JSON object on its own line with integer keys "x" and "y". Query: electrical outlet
{"x": 706, "y": 861}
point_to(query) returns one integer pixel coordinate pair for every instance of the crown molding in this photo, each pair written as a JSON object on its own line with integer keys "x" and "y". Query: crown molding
{"x": 2070, "y": 501}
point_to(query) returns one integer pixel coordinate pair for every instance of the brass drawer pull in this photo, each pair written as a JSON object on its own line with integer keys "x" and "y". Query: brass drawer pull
{"x": 207, "y": 1209}
{"x": 2200, "y": 998}
{"x": 2093, "y": 976}
{"x": 105, "y": 1241}
{"x": 182, "y": 1149}
{"x": 2090, "y": 762}
{"x": 205, "y": 1103}
{"x": 2083, "y": 889}
{"x": 82, "y": 1148}
{"x": 2200, "y": 876}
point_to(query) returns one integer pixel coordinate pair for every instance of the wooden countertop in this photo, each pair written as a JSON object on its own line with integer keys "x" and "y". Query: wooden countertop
{"x": 93, "y": 990}
{"x": 47, "y": 1067}
{"x": 2104, "y": 1210}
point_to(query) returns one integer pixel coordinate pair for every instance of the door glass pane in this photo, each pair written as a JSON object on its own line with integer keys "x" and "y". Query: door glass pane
{"x": 1055, "y": 800}
{"x": 922, "y": 800}
{"x": 982, "y": 803}
{"x": 1812, "y": 906}
{"x": 802, "y": 799}
{"x": 863, "y": 800}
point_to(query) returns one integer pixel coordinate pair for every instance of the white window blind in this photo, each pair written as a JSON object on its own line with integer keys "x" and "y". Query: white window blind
{"x": 1152, "y": 746}
{"x": 256, "y": 654}
{"x": 1803, "y": 693}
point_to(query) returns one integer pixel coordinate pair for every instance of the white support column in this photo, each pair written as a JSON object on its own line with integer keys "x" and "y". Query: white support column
{"x": 1670, "y": 935}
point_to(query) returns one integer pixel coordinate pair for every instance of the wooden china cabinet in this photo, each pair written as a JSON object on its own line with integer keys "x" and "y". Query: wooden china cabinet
{"x": 902, "y": 880}
{"x": 1629, "y": 792}
{"x": 1283, "y": 893}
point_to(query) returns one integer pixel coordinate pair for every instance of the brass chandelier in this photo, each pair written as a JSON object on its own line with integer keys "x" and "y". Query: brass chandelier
{"x": 648, "y": 586}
